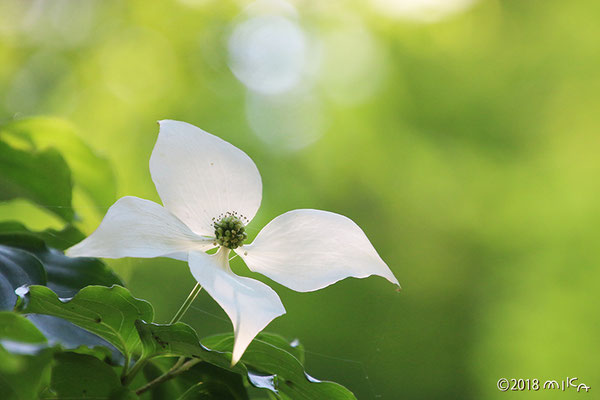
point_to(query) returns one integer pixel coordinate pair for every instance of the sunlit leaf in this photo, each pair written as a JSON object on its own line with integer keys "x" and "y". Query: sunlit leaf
{"x": 60, "y": 240}
{"x": 40, "y": 176}
{"x": 91, "y": 172}
{"x": 24, "y": 376}
{"x": 30, "y": 214}
{"x": 16, "y": 327}
{"x": 107, "y": 312}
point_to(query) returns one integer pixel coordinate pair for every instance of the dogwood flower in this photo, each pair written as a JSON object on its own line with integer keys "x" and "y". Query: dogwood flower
{"x": 210, "y": 191}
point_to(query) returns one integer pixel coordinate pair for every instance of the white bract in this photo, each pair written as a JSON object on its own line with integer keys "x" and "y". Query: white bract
{"x": 210, "y": 190}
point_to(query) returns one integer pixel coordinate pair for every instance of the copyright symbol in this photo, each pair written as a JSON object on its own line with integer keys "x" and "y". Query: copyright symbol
{"x": 503, "y": 384}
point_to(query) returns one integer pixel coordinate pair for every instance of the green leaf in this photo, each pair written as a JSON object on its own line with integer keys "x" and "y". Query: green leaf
{"x": 72, "y": 337}
{"x": 65, "y": 275}
{"x": 166, "y": 390}
{"x": 80, "y": 376}
{"x": 107, "y": 312}
{"x": 18, "y": 328}
{"x": 9, "y": 363}
{"x": 91, "y": 172}
{"x": 196, "y": 392}
{"x": 41, "y": 176}
{"x": 102, "y": 353}
{"x": 202, "y": 381}
{"x": 208, "y": 382}
{"x": 17, "y": 267}
{"x": 22, "y": 253}
{"x": 23, "y": 376}
{"x": 293, "y": 347}
{"x": 124, "y": 394}
{"x": 177, "y": 339}
{"x": 268, "y": 362}
{"x": 265, "y": 356}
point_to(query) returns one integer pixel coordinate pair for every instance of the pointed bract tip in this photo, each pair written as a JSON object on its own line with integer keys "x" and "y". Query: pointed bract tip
{"x": 160, "y": 122}
{"x": 398, "y": 288}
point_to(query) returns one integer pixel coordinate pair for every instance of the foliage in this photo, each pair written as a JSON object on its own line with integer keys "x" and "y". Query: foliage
{"x": 465, "y": 147}
{"x": 70, "y": 329}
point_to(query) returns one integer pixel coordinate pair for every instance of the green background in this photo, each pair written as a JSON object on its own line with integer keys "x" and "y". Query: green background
{"x": 466, "y": 148}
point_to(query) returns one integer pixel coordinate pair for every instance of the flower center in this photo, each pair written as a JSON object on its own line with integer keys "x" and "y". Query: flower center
{"x": 230, "y": 231}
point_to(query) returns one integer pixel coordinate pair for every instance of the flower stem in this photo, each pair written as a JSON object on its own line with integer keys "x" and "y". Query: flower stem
{"x": 186, "y": 304}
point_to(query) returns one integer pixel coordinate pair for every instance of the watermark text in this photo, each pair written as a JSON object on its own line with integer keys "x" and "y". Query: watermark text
{"x": 534, "y": 384}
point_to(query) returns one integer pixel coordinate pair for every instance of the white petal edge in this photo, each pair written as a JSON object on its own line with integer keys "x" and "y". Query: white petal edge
{"x": 251, "y": 305}
{"x": 307, "y": 250}
{"x": 134, "y": 227}
{"x": 199, "y": 176}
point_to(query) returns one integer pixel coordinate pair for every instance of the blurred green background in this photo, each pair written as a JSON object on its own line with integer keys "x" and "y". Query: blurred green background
{"x": 462, "y": 136}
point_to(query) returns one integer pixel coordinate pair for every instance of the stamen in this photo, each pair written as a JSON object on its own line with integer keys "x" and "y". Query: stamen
{"x": 230, "y": 231}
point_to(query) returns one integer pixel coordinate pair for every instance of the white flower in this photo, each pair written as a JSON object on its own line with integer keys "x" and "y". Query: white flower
{"x": 209, "y": 188}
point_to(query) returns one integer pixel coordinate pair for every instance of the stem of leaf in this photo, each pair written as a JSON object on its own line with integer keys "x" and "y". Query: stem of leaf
{"x": 125, "y": 367}
{"x": 177, "y": 369}
{"x": 127, "y": 377}
{"x": 137, "y": 367}
{"x": 186, "y": 304}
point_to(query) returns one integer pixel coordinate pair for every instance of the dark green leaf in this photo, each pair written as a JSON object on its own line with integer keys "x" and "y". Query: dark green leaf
{"x": 208, "y": 382}
{"x": 293, "y": 347}
{"x": 92, "y": 173}
{"x": 196, "y": 392}
{"x": 107, "y": 312}
{"x": 18, "y": 328}
{"x": 65, "y": 275}
{"x": 216, "y": 383}
{"x": 80, "y": 376}
{"x": 264, "y": 356}
{"x": 42, "y": 177}
{"x": 70, "y": 336}
{"x": 166, "y": 390}
{"x": 123, "y": 393}
{"x": 102, "y": 353}
{"x": 265, "y": 363}
{"x": 17, "y": 267}
{"x": 177, "y": 339}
